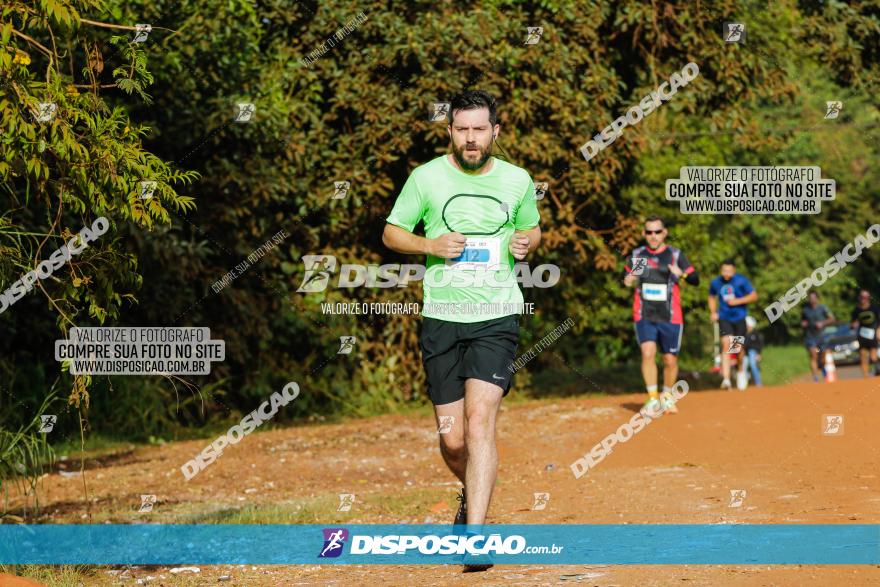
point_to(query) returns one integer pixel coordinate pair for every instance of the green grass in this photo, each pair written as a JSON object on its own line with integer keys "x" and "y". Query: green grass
{"x": 95, "y": 444}
{"x": 783, "y": 364}
{"x": 412, "y": 504}
{"x": 779, "y": 365}
{"x": 56, "y": 575}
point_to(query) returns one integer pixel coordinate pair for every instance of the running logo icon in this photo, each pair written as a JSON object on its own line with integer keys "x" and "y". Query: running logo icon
{"x": 540, "y": 190}
{"x": 832, "y": 425}
{"x": 245, "y": 112}
{"x": 46, "y": 111}
{"x": 737, "y": 496}
{"x": 638, "y": 266}
{"x": 346, "y": 345}
{"x": 446, "y": 424}
{"x": 534, "y": 35}
{"x": 47, "y": 423}
{"x": 541, "y": 500}
{"x": 318, "y": 270}
{"x": 832, "y": 109}
{"x": 334, "y": 541}
{"x": 341, "y": 189}
{"x": 147, "y": 502}
{"x": 734, "y": 32}
{"x": 736, "y": 344}
{"x": 147, "y": 189}
{"x": 141, "y": 31}
{"x": 439, "y": 111}
{"x": 346, "y": 500}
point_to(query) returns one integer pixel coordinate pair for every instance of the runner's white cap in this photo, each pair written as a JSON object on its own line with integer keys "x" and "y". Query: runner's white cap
{"x": 751, "y": 322}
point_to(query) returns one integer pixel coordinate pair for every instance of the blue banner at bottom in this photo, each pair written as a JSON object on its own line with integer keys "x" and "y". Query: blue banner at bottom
{"x": 628, "y": 544}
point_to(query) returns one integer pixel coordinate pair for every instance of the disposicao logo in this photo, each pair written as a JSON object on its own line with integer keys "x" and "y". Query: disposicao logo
{"x": 319, "y": 269}
{"x": 334, "y": 541}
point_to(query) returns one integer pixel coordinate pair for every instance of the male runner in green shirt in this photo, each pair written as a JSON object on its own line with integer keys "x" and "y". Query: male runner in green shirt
{"x": 480, "y": 217}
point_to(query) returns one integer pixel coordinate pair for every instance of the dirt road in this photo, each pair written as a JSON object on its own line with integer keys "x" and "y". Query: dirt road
{"x": 681, "y": 469}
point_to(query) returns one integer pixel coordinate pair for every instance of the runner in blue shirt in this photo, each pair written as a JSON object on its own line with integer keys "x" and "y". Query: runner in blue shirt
{"x": 729, "y": 293}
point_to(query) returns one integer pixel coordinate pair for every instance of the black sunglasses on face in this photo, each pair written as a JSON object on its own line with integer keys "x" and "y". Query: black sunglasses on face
{"x": 653, "y": 231}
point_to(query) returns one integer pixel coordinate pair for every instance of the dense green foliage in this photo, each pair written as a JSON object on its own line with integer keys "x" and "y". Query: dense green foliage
{"x": 163, "y": 109}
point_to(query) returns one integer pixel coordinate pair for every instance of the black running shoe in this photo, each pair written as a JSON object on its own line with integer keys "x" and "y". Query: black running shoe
{"x": 476, "y": 563}
{"x": 461, "y": 514}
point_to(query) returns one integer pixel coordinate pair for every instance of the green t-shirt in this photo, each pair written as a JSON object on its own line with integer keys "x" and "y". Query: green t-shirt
{"x": 488, "y": 208}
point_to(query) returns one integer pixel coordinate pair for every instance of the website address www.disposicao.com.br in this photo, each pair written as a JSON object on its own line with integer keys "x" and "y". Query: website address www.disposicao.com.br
{"x": 432, "y": 544}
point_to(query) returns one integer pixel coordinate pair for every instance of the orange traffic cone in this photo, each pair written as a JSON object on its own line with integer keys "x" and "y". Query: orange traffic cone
{"x": 830, "y": 369}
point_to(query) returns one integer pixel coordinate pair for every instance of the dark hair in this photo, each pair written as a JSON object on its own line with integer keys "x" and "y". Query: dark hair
{"x": 729, "y": 261}
{"x": 655, "y": 218}
{"x": 474, "y": 100}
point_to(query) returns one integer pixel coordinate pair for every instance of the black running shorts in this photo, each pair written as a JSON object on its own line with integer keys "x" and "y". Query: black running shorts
{"x": 728, "y": 328}
{"x": 455, "y": 351}
{"x": 867, "y": 343}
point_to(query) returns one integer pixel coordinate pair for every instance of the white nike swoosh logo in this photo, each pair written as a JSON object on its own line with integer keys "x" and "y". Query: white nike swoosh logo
{"x": 496, "y": 377}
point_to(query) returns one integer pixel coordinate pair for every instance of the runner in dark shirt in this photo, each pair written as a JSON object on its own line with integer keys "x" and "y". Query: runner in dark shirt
{"x": 814, "y": 317}
{"x": 656, "y": 270}
{"x": 865, "y": 320}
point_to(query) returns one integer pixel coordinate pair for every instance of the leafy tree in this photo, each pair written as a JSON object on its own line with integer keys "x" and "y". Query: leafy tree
{"x": 67, "y": 157}
{"x": 358, "y": 113}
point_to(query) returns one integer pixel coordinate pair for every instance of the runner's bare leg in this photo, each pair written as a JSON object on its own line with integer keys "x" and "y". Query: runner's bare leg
{"x": 482, "y": 400}
{"x": 452, "y": 445}
{"x": 741, "y": 361}
{"x": 649, "y": 365}
{"x": 814, "y": 361}
{"x": 670, "y": 369}
{"x": 725, "y": 357}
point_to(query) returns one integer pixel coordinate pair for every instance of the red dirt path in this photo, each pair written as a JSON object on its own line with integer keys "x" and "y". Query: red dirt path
{"x": 680, "y": 469}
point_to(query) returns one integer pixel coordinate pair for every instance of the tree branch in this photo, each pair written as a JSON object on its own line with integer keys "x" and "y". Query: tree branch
{"x": 91, "y": 86}
{"x": 120, "y": 26}
{"x": 33, "y": 42}
{"x": 108, "y": 25}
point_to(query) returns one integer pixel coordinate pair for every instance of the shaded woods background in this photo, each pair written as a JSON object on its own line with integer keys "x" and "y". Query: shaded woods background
{"x": 163, "y": 109}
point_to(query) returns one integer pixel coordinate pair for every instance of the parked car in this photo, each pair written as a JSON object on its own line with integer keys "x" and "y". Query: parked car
{"x": 841, "y": 339}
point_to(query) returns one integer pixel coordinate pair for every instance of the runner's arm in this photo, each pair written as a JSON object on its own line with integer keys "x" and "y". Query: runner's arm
{"x": 713, "y": 307}
{"x": 534, "y": 235}
{"x": 713, "y": 301}
{"x": 830, "y": 320}
{"x": 628, "y": 280}
{"x": 690, "y": 272}
{"x": 447, "y": 246}
{"x": 408, "y": 211}
{"x": 526, "y": 223}
{"x": 750, "y": 297}
{"x": 403, "y": 241}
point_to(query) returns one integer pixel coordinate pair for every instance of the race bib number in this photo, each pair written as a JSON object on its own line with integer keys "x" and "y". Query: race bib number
{"x": 654, "y": 292}
{"x": 479, "y": 253}
{"x": 865, "y": 332}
